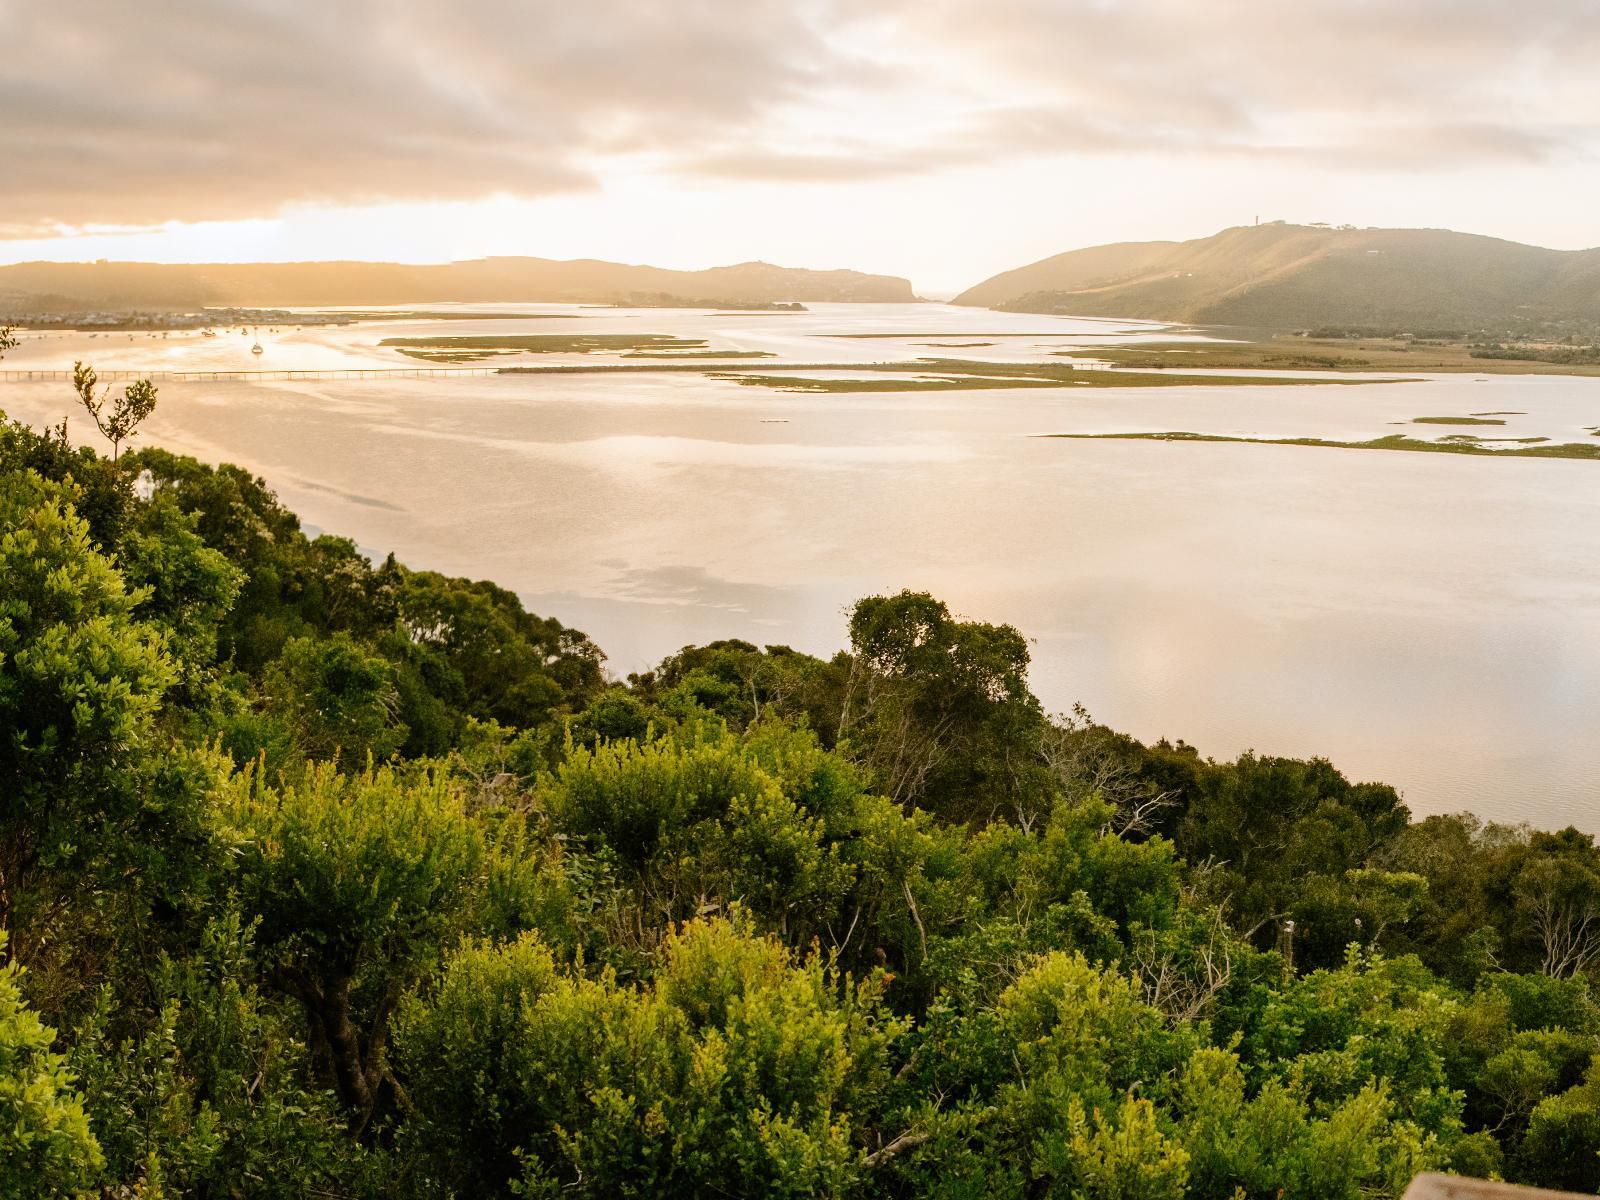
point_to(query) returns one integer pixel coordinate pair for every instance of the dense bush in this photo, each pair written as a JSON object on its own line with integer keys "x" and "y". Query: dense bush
{"x": 320, "y": 878}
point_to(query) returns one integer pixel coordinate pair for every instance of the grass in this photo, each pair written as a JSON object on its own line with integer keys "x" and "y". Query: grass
{"x": 940, "y": 333}
{"x": 429, "y": 315}
{"x": 446, "y": 356}
{"x": 939, "y": 375}
{"x": 927, "y": 383}
{"x": 1468, "y": 437}
{"x": 1456, "y": 421}
{"x": 1292, "y": 352}
{"x": 1070, "y": 375}
{"x": 1393, "y": 441}
{"x": 943, "y": 374}
{"x": 485, "y": 345}
{"x": 671, "y": 355}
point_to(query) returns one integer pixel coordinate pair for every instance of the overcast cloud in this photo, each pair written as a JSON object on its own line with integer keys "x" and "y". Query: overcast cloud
{"x": 126, "y": 112}
{"x": 131, "y": 114}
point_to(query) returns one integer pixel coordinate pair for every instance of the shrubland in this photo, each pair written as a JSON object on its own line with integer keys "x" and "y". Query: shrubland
{"x": 326, "y": 877}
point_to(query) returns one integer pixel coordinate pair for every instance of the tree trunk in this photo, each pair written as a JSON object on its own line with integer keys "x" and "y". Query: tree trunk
{"x": 354, "y": 1061}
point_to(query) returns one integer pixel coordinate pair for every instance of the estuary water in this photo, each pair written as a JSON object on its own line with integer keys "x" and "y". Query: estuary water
{"x": 1429, "y": 620}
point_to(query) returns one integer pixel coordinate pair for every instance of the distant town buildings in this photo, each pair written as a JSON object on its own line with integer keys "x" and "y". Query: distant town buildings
{"x": 205, "y": 318}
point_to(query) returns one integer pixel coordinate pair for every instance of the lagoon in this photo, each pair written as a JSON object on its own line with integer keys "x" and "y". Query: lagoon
{"x": 1429, "y": 620}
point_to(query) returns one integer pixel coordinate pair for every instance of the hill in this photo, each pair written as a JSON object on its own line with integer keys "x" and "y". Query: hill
{"x": 1308, "y": 276}
{"x": 59, "y": 287}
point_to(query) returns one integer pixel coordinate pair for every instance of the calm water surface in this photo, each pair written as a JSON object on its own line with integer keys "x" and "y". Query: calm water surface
{"x": 1429, "y": 620}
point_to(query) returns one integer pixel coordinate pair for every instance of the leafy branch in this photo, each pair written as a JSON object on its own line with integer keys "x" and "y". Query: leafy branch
{"x": 126, "y": 412}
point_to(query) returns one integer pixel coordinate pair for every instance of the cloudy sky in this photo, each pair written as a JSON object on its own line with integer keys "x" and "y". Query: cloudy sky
{"x": 938, "y": 139}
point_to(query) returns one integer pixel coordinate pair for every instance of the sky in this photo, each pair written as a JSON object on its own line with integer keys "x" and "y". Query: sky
{"x": 941, "y": 140}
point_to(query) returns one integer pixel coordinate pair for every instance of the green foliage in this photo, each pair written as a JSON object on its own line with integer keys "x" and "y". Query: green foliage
{"x": 341, "y": 869}
{"x": 739, "y": 1068}
{"x": 1042, "y": 1084}
{"x": 126, "y": 413}
{"x": 46, "y": 1147}
{"x": 81, "y": 683}
{"x": 1562, "y": 1146}
{"x": 356, "y": 884}
{"x": 1122, "y": 1158}
{"x": 1502, "y": 897}
{"x": 209, "y": 1094}
{"x": 336, "y": 701}
{"x": 513, "y": 667}
{"x": 403, "y": 660}
{"x": 1334, "y": 1032}
{"x": 1280, "y": 1142}
{"x": 752, "y": 923}
{"x": 940, "y": 708}
{"x": 742, "y": 684}
{"x": 703, "y": 822}
{"x": 1284, "y": 840}
{"x": 188, "y": 589}
{"x": 101, "y": 494}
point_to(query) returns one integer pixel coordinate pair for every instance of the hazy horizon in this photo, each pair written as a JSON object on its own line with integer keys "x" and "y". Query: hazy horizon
{"x": 940, "y": 143}
{"x": 938, "y": 292}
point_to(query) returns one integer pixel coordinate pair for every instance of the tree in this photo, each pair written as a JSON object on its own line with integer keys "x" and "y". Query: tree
{"x": 1277, "y": 1143}
{"x": 188, "y": 587}
{"x": 202, "y": 1088}
{"x": 283, "y": 593}
{"x": 1383, "y": 899}
{"x": 698, "y": 821}
{"x": 1282, "y": 833}
{"x": 1090, "y": 760}
{"x": 513, "y": 667}
{"x": 1558, "y": 894}
{"x": 336, "y": 699}
{"x": 1562, "y": 1146}
{"x": 741, "y": 1068}
{"x": 1032, "y": 1093}
{"x": 742, "y": 684}
{"x": 128, "y": 411}
{"x": 101, "y": 493}
{"x": 81, "y": 682}
{"x": 940, "y": 709}
{"x": 358, "y": 882}
{"x": 46, "y": 1148}
{"x": 453, "y": 649}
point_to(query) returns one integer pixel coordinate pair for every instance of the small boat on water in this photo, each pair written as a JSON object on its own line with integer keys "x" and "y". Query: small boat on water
{"x": 256, "y": 349}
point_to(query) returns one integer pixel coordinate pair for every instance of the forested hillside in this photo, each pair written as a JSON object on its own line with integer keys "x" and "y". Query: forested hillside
{"x": 322, "y": 877}
{"x": 1281, "y": 276}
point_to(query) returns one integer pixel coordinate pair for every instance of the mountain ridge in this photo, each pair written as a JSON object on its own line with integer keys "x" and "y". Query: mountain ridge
{"x": 1297, "y": 276}
{"x": 57, "y": 286}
